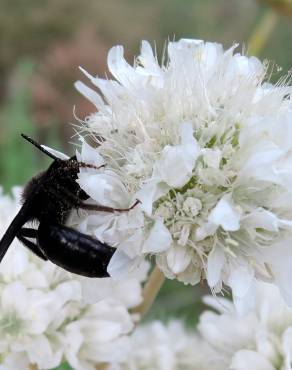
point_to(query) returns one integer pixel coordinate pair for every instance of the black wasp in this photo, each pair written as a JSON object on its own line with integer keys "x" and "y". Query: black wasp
{"x": 48, "y": 198}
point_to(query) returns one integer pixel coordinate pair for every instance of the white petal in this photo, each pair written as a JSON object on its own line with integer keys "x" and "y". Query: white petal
{"x": 260, "y": 165}
{"x": 178, "y": 259}
{"x": 149, "y": 193}
{"x": 65, "y": 292}
{"x": 240, "y": 279}
{"x": 176, "y": 49}
{"x": 89, "y": 155}
{"x": 89, "y": 94}
{"x": 159, "y": 238}
{"x": 119, "y": 68}
{"x": 246, "y": 303}
{"x": 190, "y": 143}
{"x": 119, "y": 265}
{"x": 212, "y": 157}
{"x": 222, "y": 305}
{"x": 105, "y": 188}
{"x": 207, "y": 229}
{"x": 15, "y": 262}
{"x": 279, "y": 260}
{"x": 177, "y": 162}
{"x": 14, "y": 296}
{"x": 40, "y": 352}
{"x": 225, "y": 214}
{"x": 132, "y": 246}
{"x": 247, "y": 360}
{"x": 215, "y": 264}
{"x": 15, "y": 360}
{"x": 261, "y": 218}
{"x": 149, "y": 62}
{"x": 171, "y": 167}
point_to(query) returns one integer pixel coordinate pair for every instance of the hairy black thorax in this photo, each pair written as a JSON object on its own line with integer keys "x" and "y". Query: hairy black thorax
{"x": 50, "y": 192}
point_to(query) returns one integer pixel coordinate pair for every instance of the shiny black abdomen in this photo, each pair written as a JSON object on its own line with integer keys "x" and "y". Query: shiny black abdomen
{"x": 74, "y": 251}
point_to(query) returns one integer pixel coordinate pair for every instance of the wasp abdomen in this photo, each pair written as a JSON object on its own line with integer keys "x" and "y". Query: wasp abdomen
{"x": 74, "y": 251}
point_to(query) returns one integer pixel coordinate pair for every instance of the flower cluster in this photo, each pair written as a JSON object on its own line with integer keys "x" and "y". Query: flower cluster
{"x": 48, "y": 316}
{"x": 259, "y": 340}
{"x": 167, "y": 347}
{"x": 203, "y": 141}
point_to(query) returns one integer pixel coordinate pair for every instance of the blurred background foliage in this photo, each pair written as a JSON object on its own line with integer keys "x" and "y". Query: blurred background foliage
{"x": 44, "y": 42}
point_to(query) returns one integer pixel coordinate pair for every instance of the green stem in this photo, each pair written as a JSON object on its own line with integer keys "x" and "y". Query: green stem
{"x": 150, "y": 292}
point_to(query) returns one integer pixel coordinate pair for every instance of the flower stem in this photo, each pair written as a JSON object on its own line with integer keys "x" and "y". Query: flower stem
{"x": 262, "y": 32}
{"x": 33, "y": 367}
{"x": 283, "y": 7}
{"x": 102, "y": 366}
{"x": 150, "y": 291}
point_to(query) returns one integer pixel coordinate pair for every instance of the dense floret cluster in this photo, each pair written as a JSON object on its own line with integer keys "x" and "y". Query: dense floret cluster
{"x": 48, "y": 315}
{"x": 204, "y": 142}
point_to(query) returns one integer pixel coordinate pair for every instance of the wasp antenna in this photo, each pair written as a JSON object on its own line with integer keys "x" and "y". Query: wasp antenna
{"x": 33, "y": 142}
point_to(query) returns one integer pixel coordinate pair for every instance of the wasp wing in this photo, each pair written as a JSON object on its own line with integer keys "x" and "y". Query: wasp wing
{"x": 19, "y": 220}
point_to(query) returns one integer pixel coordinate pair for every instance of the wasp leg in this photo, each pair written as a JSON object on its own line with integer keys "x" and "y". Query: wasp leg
{"x": 97, "y": 207}
{"x": 25, "y": 233}
{"x": 88, "y": 165}
{"x": 78, "y": 203}
{"x": 77, "y": 165}
{"x": 28, "y": 232}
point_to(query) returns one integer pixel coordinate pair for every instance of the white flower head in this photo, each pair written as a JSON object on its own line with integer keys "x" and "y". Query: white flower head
{"x": 204, "y": 143}
{"x": 167, "y": 347}
{"x": 49, "y": 316}
{"x": 259, "y": 340}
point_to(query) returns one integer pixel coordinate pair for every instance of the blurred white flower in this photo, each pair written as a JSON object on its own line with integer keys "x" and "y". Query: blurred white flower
{"x": 156, "y": 346}
{"x": 259, "y": 340}
{"x": 99, "y": 336}
{"x": 205, "y": 144}
{"x": 48, "y": 315}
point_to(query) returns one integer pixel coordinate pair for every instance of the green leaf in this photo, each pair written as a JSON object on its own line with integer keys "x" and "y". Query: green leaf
{"x": 64, "y": 366}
